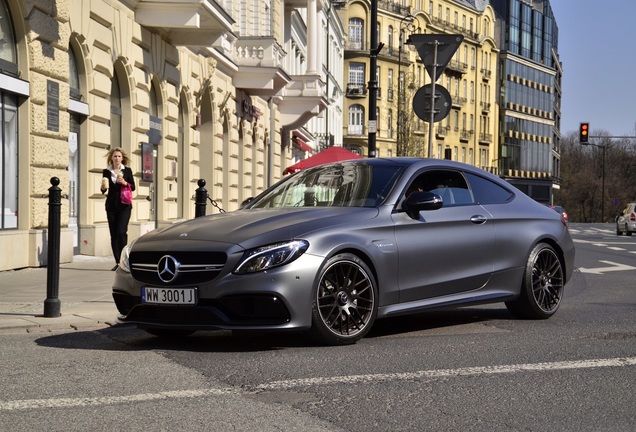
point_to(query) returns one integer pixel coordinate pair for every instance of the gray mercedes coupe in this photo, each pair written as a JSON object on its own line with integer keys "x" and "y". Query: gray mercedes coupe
{"x": 334, "y": 248}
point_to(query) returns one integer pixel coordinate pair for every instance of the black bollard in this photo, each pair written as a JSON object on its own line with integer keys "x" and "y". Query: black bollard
{"x": 200, "y": 199}
{"x": 52, "y": 304}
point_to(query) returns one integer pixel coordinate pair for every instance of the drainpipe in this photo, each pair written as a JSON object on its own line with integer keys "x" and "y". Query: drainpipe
{"x": 270, "y": 150}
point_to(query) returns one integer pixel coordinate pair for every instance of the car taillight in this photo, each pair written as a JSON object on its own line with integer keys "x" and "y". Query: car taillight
{"x": 632, "y": 217}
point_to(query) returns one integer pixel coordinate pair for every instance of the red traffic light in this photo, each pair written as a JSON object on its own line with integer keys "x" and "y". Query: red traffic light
{"x": 584, "y": 133}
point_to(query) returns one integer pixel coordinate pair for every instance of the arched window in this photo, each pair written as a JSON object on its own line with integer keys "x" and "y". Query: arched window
{"x": 73, "y": 78}
{"x": 8, "y": 125}
{"x": 8, "y": 55}
{"x": 115, "y": 111}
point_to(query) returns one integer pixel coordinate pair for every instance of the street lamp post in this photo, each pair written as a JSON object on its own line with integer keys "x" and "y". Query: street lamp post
{"x": 602, "y": 179}
{"x": 406, "y": 23}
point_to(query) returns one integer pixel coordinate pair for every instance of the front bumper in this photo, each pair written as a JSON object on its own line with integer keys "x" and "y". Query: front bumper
{"x": 277, "y": 299}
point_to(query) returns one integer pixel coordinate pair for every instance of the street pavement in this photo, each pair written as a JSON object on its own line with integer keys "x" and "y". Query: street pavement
{"x": 84, "y": 292}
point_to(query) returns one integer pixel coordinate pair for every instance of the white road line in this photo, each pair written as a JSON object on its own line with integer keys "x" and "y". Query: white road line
{"x": 307, "y": 382}
{"x": 443, "y": 373}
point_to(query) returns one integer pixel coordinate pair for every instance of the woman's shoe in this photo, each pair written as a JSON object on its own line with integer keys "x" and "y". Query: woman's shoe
{"x": 116, "y": 267}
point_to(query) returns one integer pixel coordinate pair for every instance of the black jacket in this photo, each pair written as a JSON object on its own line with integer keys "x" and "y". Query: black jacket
{"x": 113, "y": 201}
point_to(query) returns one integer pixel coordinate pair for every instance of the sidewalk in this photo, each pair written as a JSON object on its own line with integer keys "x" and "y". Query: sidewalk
{"x": 84, "y": 294}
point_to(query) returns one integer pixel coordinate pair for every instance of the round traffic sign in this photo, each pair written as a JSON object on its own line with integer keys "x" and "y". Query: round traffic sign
{"x": 440, "y": 103}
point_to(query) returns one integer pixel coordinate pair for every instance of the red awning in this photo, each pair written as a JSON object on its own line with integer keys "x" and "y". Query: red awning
{"x": 302, "y": 145}
{"x": 332, "y": 154}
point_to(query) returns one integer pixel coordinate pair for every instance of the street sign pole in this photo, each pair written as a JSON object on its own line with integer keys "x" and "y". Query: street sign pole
{"x": 432, "y": 121}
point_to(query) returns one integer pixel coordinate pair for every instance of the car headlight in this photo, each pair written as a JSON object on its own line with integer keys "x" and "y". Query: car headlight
{"x": 270, "y": 256}
{"x": 124, "y": 262}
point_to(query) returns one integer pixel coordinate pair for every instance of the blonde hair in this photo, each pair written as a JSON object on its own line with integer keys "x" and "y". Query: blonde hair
{"x": 124, "y": 157}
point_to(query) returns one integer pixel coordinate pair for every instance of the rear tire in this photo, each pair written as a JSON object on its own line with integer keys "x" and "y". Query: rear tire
{"x": 542, "y": 285}
{"x": 627, "y": 231}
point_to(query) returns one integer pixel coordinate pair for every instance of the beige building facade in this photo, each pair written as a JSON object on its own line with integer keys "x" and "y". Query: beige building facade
{"x": 189, "y": 89}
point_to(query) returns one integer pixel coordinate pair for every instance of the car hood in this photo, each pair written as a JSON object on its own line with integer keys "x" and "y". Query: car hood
{"x": 255, "y": 227}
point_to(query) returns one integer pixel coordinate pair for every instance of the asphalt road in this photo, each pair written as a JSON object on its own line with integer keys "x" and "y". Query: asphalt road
{"x": 472, "y": 369}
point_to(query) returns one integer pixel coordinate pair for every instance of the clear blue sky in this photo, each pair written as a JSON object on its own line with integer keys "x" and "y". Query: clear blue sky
{"x": 597, "y": 46}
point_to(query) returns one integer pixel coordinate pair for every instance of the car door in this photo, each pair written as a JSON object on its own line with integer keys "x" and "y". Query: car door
{"x": 445, "y": 251}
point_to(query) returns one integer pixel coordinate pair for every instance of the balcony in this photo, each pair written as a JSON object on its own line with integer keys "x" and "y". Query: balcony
{"x": 486, "y": 74}
{"x": 301, "y": 99}
{"x": 465, "y": 135}
{"x": 184, "y": 22}
{"x": 356, "y": 90}
{"x": 485, "y": 107}
{"x": 485, "y": 138}
{"x": 458, "y": 102}
{"x": 395, "y": 7}
{"x": 442, "y": 131}
{"x": 260, "y": 66}
{"x": 457, "y": 66}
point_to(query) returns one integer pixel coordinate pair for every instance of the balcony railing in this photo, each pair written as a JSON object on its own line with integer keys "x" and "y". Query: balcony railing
{"x": 394, "y": 7}
{"x": 355, "y": 130}
{"x": 356, "y": 90}
{"x": 257, "y": 51}
{"x": 485, "y": 137}
{"x": 442, "y": 131}
{"x": 454, "y": 28}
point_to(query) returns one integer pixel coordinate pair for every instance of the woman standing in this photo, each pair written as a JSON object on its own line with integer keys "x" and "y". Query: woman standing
{"x": 117, "y": 177}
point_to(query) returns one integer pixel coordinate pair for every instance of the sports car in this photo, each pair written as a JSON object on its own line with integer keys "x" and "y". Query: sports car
{"x": 333, "y": 249}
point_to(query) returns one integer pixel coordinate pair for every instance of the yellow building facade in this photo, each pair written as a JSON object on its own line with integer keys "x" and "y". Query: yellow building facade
{"x": 469, "y": 132}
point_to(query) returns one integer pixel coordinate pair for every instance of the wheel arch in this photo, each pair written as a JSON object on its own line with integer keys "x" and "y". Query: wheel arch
{"x": 558, "y": 251}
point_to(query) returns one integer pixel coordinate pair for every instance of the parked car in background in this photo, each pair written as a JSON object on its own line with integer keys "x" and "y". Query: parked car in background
{"x": 626, "y": 220}
{"x": 332, "y": 248}
{"x": 560, "y": 210}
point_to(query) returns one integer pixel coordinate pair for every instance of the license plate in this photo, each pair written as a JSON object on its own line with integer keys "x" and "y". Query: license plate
{"x": 174, "y": 296}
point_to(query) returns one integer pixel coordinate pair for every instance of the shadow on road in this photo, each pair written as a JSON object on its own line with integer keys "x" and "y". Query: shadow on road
{"x": 129, "y": 338}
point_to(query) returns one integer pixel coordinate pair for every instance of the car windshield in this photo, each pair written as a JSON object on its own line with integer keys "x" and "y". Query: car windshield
{"x": 335, "y": 185}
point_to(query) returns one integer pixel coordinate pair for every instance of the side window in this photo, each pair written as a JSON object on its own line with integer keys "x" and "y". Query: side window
{"x": 449, "y": 185}
{"x": 486, "y": 191}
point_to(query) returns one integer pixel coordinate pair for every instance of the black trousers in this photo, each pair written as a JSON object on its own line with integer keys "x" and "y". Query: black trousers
{"x": 118, "y": 226}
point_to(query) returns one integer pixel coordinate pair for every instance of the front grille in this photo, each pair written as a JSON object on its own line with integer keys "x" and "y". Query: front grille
{"x": 193, "y": 267}
{"x": 239, "y": 310}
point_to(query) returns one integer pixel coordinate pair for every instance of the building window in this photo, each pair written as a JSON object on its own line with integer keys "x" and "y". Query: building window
{"x": 9, "y": 129}
{"x": 356, "y": 119}
{"x": 73, "y": 79}
{"x": 8, "y": 55}
{"x": 115, "y": 111}
{"x": 9, "y": 161}
{"x": 356, "y": 33}
{"x": 356, "y": 78}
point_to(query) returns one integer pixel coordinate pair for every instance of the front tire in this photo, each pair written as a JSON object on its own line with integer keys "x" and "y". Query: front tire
{"x": 542, "y": 286}
{"x": 344, "y": 304}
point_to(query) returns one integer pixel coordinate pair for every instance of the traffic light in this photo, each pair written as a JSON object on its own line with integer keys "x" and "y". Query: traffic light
{"x": 584, "y": 133}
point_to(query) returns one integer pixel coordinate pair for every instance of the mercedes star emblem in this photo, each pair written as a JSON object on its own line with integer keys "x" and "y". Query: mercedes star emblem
{"x": 168, "y": 268}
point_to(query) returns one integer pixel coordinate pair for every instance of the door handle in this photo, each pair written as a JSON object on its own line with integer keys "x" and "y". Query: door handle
{"x": 478, "y": 219}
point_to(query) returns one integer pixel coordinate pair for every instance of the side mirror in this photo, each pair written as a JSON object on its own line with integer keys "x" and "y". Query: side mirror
{"x": 419, "y": 201}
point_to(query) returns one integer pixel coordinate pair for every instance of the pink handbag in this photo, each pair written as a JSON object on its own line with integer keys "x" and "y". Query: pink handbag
{"x": 125, "y": 194}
